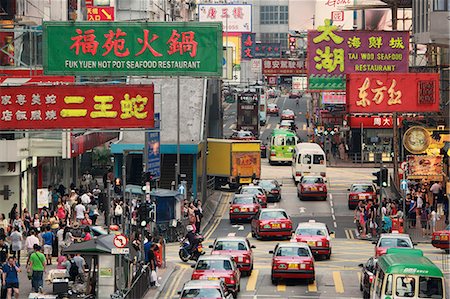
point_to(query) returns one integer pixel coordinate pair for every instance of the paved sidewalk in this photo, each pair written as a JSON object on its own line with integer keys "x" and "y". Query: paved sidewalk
{"x": 25, "y": 283}
{"x": 163, "y": 277}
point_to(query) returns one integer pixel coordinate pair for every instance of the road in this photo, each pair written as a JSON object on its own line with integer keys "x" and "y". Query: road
{"x": 335, "y": 278}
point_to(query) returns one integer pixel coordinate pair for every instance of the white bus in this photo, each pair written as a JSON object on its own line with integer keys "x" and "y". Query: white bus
{"x": 308, "y": 159}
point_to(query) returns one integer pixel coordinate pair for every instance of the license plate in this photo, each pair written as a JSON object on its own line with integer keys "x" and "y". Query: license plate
{"x": 313, "y": 189}
{"x": 311, "y": 243}
{"x": 213, "y": 278}
{"x": 293, "y": 266}
{"x": 245, "y": 180}
{"x": 444, "y": 237}
{"x": 243, "y": 209}
{"x": 362, "y": 197}
{"x": 275, "y": 225}
{"x": 305, "y": 173}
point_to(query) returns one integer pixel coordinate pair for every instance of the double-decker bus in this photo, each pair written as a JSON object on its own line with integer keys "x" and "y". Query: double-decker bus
{"x": 248, "y": 112}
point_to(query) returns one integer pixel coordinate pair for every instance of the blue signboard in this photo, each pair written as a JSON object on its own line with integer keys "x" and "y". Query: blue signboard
{"x": 153, "y": 152}
{"x": 404, "y": 185}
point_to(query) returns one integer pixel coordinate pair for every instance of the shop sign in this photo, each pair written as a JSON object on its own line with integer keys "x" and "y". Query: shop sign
{"x": 416, "y": 140}
{"x": 248, "y": 41}
{"x": 298, "y": 84}
{"x": 333, "y": 98}
{"x": 36, "y": 80}
{"x": 256, "y": 66}
{"x": 272, "y": 80}
{"x": 373, "y": 122}
{"x": 153, "y": 151}
{"x": 283, "y": 66}
{"x": 119, "y": 48}
{"x": 234, "y": 17}
{"x": 71, "y": 107}
{"x": 335, "y": 53}
{"x": 96, "y": 13}
{"x": 267, "y": 50}
{"x": 390, "y": 92}
{"x": 423, "y": 165}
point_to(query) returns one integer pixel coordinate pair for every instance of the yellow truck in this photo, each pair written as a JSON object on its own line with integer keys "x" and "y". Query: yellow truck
{"x": 233, "y": 162}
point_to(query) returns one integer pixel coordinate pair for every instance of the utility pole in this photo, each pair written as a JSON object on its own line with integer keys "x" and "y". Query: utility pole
{"x": 394, "y": 115}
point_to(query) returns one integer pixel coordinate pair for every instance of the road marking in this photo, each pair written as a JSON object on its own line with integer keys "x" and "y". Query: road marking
{"x": 241, "y": 227}
{"x": 281, "y": 288}
{"x": 312, "y": 287}
{"x": 334, "y": 217}
{"x": 251, "y": 283}
{"x": 331, "y": 196}
{"x": 335, "y": 225}
{"x": 304, "y": 127}
{"x": 231, "y": 234}
{"x": 174, "y": 284}
{"x": 268, "y": 126}
{"x": 332, "y": 210}
{"x": 338, "y": 285}
{"x": 331, "y": 202}
{"x": 249, "y": 235}
{"x": 232, "y": 126}
{"x": 346, "y": 234}
{"x": 302, "y": 209}
{"x": 351, "y": 234}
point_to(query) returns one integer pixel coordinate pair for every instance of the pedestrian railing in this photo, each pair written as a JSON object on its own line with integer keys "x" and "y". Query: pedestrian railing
{"x": 140, "y": 285}
{"x": 445, "y": 260}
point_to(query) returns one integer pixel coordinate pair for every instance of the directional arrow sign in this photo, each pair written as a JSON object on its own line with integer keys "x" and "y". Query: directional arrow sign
{"x": 404, "y": 185}
{"x": 241, "y": 227}
{"x": 302, "y": 209}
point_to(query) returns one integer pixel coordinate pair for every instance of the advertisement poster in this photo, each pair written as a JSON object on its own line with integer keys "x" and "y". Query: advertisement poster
{"x": 42, "y": 198}
{"x": 425, "y": 165}
{"x": 246, "y": 164}
{"x": 153, "y": 150}
{"x": 234, "y": 17}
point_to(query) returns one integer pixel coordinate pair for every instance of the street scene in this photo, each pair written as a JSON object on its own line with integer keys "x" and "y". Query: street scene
{"x": 177, "y": 149}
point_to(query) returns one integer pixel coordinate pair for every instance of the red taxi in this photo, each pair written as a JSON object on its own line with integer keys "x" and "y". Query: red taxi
{"x": 392, "y": 240}
{"x": 287, "y": 114}
{"x": 360, "y": 192}
{"x": 237, "y": 247}
{"x": 218, "y": 267}
{"x": 273, "y": 109}
{"x": 316, "y": 235}
{"x": 441, "y": 239}
{"x": 271, "y": 223}
{"x": 243, "y": 207}
{"x": 255, "y": 190}
{"x": 312, "y": 186}
{"x": 292, "y": 261}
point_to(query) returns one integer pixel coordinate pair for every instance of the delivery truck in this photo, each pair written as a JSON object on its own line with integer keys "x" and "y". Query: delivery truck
{"x": 233, "y": 162}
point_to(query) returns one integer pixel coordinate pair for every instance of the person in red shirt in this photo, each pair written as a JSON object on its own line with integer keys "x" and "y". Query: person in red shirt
{"x": 87, "y": 234}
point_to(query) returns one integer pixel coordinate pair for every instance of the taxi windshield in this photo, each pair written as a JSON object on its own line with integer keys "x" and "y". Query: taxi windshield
{"x": 292, "y": 251}
{"x": 243, "y": 200}
{"x": 362, "y": 188}
{"x": 214, "y": 265}
{"x": 311, "y": 231}
{"x": 202, "y": 293}
{"x": 312, "y": 180}
{"x": 267, "y": 215}
{"x": 230, "y": 245}
{"x": 251, "y": 191}
{"x": 394, "y": 242}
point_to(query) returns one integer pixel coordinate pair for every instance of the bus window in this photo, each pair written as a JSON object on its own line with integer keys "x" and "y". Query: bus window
{"x": 318, "y": 159}
{"x": 405, "y": 286}
{"x": 278, "y": 140}
{"x": 430, "y": 287}
{"x": 290, "y": 140}
{"x": 306, "y": 159}
{"x": 389, "y": 281}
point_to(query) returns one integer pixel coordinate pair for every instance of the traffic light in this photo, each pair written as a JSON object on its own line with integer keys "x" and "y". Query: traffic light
{"x": 118, "y": 186}
{"x": 381, "y": 177}
{"x": 146, "y": 213}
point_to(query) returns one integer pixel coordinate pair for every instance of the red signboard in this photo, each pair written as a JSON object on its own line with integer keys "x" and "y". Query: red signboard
{"x": 69, "y": 107}
{"x": 99, "y": 13}
{"x": 392, "y": 92}
{"x": 283, "y": 66}
{"x": 373, "y": 122}
{"x": 272, "y": 80}
{"x": 36, "y": 80}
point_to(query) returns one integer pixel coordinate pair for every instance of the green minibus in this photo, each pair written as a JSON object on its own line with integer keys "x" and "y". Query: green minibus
{"x": 282, "y": 145}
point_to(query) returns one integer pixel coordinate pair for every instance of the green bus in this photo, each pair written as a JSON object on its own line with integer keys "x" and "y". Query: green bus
{"x": 282, "y": 145}
{"x": 406, "y": 273}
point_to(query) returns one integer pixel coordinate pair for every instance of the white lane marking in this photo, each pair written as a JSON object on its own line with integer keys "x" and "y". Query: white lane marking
{"x": 332, "y": 211}
{"x": 334, "y": 217}
{"x": 302, "y": 209}
{"x": 331, "y": 203}
{"x": 335, "y": 225}
{"x": 231, "y": 234}
{"x": 331, "y": 196}
{"x": 240, "y": 228}
{"x": 268, "y": 126}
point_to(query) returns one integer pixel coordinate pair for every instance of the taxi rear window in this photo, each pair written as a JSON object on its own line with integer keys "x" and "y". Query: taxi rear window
{"x": 362, "y": 188}
{"x": 243, "y": 200}
{"x": 230, "y": 245}
{"x": 311, "y": 232}
{"x": 267, "y": 215}
{"x": 292, "y": 251}
{"x": 214, "y": 265}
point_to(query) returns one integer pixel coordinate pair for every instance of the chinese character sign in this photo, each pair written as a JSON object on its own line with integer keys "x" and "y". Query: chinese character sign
{"x": 268, "y": 50}
{"x": 234, "y": 17}
{"x": 98, "y": 13}
{"x": 248, "y": 44}
{"x": 70, "y": 107}
{"x": 105, "y": 49}
{"x": 282, "y": 66}
{"x": 373, "y": 122}
{"x": 391, "y": 92}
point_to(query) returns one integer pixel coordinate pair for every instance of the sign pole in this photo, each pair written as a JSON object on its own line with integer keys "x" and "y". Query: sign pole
{"x": 177, "y": 172}
{"x": 395, "y": 138}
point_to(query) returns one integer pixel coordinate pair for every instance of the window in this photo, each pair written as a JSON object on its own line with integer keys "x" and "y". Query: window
{"x": 441, "y": 5}
{"x": 230, "y": 245}
{"x": 274, "y": 14}
{"x": 430, "y": 287}
{"x": 389, "y": 281}
{"x": 306, "y": 159}
{"x": 202, "y": 293}
{"x": 292, "y": 251}
{"x": 284, "y": 15}
{"x": 318, "y": 159}
{"x": 290, "y": 140}
{"x": 278, "y": 140}
{"x": 405, "y": 286}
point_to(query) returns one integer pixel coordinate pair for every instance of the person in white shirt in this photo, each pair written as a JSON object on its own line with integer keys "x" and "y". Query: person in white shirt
{"x": 419, "y": 200}
{"x": 86, "y": 198}
{"x": 30, "y": 241}
{"x": 434, "y": 217}
{"x": 79, "y": 211}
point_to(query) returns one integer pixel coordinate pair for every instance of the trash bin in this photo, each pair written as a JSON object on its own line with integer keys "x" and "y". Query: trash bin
{"x": 397, "y": 224}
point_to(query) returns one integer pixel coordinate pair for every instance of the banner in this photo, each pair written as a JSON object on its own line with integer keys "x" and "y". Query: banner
{"x": 373, "y": 122}
{"x": 126, "y": 49}
{"x": 71, "y": 107}
{"x": 234, "y": 17}
{"x": 248, "y": 41}
{"x": 334, "y": 53}
{"x": 153, "y": 151}
{"x": 391, "y": 92}
{"x": 283, "y": 66}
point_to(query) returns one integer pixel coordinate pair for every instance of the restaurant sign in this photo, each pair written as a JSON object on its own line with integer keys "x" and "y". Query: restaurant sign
{"x": 283, "y": 66}
{"x": 119, "y": 48}
{"x": 335, "y": 53}
{"x": 373, "y": 122}
{"x": 73, "y": 107}
{"x": 391, "y": 92}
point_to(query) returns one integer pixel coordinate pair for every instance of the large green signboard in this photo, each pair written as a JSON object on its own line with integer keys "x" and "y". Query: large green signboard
{"x": 119, "y": 48}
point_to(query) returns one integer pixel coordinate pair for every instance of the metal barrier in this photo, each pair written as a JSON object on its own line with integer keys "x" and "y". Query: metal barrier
{"x": 140, "y": 285}
{"x": 210, "y": 186}
{"x": 445, "y": 259}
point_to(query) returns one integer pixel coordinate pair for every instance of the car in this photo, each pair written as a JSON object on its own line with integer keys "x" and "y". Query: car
{"x": 242, "y": 135}
{"x": 218, "y": 267}
{"x": 243, "y": 207}
{"x": 273, "y": 109}
{"x": 367, "y": 276}
{"x": 287, "y": 114}
{"x": 272, "y": 188}
{"x": 441, "y": 239}
{"x": 312, "y": 186}
{"x": 316, "y": 235}
{"x": 211, "y": 289}
{"x": 271, "y": 222}
{"x": 239, "y": 248}
{"x": 292, "y": 261}
{"x": 392, "y": 240}
{"x": 360, "y": 192}
{"x": 287, "y": 124}
{"x": 256, "y": 190}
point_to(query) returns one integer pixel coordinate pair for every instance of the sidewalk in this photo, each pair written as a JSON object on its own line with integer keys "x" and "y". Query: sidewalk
{"x": 25, "y": 283}
{"x": 163, "y": 277}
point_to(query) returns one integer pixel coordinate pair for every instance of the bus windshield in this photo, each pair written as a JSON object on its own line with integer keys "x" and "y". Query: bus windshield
{"x": 430, "y": 287}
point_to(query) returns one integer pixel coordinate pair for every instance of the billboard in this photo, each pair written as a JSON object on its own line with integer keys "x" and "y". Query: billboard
{"x": 333, "y": 98}
{"x": 335, "y": 53}
{"x": 373, "y": 122}
{"x": 36, "y": 80}
{"x": 392, "y": 92}
{"x": 234, "y": 17}
{"x": 71, "y": 107}
{"x": 248, "y": 43}
{"x": 119, "y": 48}
{"x": 153, "y": 151}
{"x": 283, "y": 66}
{"x": 424, "y": 165}
{"x": 251, "y": 49}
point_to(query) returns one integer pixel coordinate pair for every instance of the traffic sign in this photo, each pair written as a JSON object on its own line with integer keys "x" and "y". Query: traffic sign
{"x": 120, "y": 241}
{"x": 404, "y": 185}
{"x": 120, "y": 250}
{"x": 100, "y": 13}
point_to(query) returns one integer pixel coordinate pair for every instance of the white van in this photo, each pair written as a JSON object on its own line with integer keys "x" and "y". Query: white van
{"x": 308, "y": 159}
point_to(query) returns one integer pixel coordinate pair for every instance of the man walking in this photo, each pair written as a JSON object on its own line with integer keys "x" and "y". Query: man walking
{"x": 11, "y": 278}
{"x": 48, "y": 238}
{"x": 37, "y": 265}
